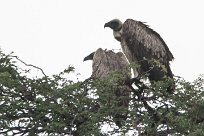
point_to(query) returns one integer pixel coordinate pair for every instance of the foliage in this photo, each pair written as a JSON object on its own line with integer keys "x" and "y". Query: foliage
{"x": 56, "y": 105}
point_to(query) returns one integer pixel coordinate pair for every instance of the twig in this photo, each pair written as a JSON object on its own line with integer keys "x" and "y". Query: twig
{"x": 30, "y": 65}
{"x": 116, "y": 49}
{"x": 72, "y": 123}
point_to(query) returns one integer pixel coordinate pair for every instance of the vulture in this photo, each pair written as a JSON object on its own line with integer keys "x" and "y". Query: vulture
{"x": 105, "y": 63}
{"x": 145, "y": 47}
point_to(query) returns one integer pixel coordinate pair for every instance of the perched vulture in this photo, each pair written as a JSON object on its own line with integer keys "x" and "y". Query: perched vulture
{"x": 143, "y": 46}
{"x": 106, "y": 63}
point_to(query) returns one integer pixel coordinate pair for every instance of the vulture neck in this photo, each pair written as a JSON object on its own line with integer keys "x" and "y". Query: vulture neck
{"x": 117, "y": 34}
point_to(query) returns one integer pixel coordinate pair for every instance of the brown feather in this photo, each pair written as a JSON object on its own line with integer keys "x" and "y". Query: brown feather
{"x": 106, "y": 62}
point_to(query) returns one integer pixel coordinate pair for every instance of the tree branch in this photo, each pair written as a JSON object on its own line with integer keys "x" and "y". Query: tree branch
{"x": 30, "y": 65}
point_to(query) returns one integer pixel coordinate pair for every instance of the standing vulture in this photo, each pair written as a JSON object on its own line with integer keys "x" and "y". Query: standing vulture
{"x": 142, "y": 45}
{"x": 105, "y": 63}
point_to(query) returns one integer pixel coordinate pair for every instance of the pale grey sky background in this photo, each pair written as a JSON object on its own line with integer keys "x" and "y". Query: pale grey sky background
{"x": 53, "y": 34}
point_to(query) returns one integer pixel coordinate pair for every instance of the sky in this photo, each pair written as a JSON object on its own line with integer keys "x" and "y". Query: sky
{"x": 53, "y": 34}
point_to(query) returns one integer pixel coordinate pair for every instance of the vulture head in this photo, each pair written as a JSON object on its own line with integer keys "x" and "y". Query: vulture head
{"x": 114, "y": 24}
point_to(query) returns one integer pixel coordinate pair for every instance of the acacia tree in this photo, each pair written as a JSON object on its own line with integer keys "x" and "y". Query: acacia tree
{"x": 56, "y": 105}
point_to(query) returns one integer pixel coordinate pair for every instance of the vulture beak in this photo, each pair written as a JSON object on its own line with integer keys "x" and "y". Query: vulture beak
{"x": 107, "y": 25}
{"x": 85, "y": 59}
{"x": 89, "y": 57}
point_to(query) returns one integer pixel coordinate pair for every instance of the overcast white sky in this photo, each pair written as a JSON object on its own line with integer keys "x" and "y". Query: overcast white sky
{"x": 53, "y": 34}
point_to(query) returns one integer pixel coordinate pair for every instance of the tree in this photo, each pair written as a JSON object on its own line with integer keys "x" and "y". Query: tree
{"x": 56, "y": 105}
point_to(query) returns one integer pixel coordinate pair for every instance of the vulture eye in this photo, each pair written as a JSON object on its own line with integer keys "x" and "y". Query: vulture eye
{"x": 114, "y": 25}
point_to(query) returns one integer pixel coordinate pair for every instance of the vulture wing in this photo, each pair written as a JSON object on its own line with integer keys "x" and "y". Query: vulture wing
{"x": 145, "y": 42}
{"x": 141, "y": 43}
{"x": 106, "y": 62}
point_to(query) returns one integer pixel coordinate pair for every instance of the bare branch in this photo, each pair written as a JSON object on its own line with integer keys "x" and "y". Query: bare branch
{"x": 30, "y": 65}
